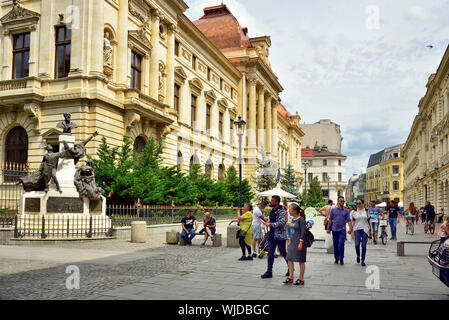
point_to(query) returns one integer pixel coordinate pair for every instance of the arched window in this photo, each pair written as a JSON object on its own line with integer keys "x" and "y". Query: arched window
{"x": 16, "y": 146}
{"x": 139, "y": 144}
{"x": 221, "y": 170}
{"x": 180, "y": 161}
{"x": 209, "y": 169}
{"x": 16, "y": 150}
{"x": 193, "y": 161}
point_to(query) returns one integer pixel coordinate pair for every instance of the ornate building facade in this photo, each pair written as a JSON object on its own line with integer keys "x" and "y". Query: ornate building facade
{"x": 141, "y": 69}
{"x": 426, "y": 152}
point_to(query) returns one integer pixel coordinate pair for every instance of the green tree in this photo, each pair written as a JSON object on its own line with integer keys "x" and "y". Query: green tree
{"x": 231, "y": 188}
{"x": 265, "y": 177}
{"x": 315, "y": 194}
{"x": 289, "y": 182}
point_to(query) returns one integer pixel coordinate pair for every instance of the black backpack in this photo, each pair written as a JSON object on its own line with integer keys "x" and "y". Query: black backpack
{"x": 309, "y": 238}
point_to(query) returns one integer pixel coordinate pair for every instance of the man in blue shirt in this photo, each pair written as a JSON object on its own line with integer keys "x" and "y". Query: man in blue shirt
{"x": 393, "y": 215}
{"x": 338, "y": 218}
{"x": 375, "y": 214}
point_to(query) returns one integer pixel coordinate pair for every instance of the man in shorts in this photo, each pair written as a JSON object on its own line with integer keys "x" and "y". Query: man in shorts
{"x": 256, "y": 226}
{"x": 210, "y": 225}
{"x": 375, "y": 214}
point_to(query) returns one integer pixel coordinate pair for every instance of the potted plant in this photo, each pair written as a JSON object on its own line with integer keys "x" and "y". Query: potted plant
{"x": 172, "y": 237}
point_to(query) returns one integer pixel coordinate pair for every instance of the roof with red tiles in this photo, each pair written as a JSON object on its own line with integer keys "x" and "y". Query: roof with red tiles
{"x": 221, "y": 27}
{"x": 318, "y": 153}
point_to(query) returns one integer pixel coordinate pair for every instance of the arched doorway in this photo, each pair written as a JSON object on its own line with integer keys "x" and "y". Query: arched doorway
{"x": 193, "y": 162}
{"x": 221, "y": 170}
{"x": 209, "y": 169}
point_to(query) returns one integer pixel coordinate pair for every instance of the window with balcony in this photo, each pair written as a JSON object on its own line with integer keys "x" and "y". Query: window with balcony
{"x": 63, "y": 48}
{"x": 136, "y": 70}
{"x": 21, "y": 55}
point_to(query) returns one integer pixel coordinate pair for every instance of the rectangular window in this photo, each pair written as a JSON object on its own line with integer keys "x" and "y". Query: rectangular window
{"x": 176, "y": 100}
{"x": 177, "y": 48}
{"x": 221, "y": 85}
{"x": 325, "y": 193}
{"x": 21, "y": 55}
{"x": 193, "y": 111}
{"x": 208, "y": 108}
{"x": 63, "y": 48}
{"x": 231, "y": 127}
{"x": 324, "y": 177}
{"x": 208, "y": 74}
{"x": 136, "y": 70}
{"x": 194, "y": 62}
{"x": 220, "y": 124}
{"x": 324, "y": 163}
{"x": 310, "y": 177}
{"x": 339, "y": 162}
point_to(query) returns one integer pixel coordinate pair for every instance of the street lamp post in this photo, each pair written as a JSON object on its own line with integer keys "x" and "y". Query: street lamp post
{"x": 240, "y": 123}
{"x": 305, "y": 163}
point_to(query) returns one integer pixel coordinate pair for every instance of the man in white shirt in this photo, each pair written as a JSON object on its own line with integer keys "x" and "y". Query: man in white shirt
{"x": 256, "y": 225}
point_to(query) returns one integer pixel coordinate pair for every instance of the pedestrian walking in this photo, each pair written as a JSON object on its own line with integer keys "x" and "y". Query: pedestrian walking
{"x": 325, "y": 211}
{"x": 430, "y": 214}
{"x": 423, "y": 215}
{"x": 351, "y": 208}
{"x": 393, "y": 218}
{"x": 338, "y": 218}
{"x": 297, "y": 247}
{"x": 245, "y": 232}
{"x": 277, "y": 235}
{"x": 362, "y": 226}
{"x": 256, "y": 227}
{"x": 375, "y": 214}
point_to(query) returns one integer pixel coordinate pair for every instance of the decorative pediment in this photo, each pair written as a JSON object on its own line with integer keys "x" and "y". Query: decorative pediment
{"x": 51, "y": 136}
{"x": 139, "y": 38}
{"x": 210, "y": 96}
{"x": 19, "y": 15}
{"x": 180, "y": 75}
{"x": 196, "y": 86}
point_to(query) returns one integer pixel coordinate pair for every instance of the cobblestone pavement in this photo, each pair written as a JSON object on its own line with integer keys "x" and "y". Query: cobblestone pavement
{"x": 121, "y": 270}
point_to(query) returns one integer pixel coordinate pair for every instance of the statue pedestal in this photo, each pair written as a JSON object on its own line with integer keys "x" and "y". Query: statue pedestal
{"x": 66, "y": 168}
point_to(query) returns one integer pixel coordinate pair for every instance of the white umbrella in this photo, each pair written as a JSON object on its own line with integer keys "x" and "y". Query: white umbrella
{"x": 276, "y": 192}
{"x": 382, "y": 205}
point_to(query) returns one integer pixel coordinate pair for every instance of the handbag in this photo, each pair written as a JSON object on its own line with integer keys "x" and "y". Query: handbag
{"x": 241, "y": 233}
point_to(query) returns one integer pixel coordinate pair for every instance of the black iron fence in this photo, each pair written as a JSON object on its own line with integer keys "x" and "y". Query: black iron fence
{"x": 123, "y": 215}
{"x": 61, "y": 227}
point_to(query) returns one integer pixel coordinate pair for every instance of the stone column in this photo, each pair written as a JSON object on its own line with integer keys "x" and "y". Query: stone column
{"x": 46, "y": 32}
{"x": 154, "y": 59}
{"x": 78, "y": 55}
{"x": 201, "y": 112}
{"x": 122, "y": 47}
{"x": 34, "y": 49}
{"x": 261, "y": 119}
{"x": 268, "y": 124}
{"x": 274, "y": 133}
{"x": 7, "y": 49}
{"x": 226, "y": 128}
{"x": 170, "y": 70}
{"x": 243, "y": 95}
{"x": 96, "y": 65}
{"x": 252, "y": 119}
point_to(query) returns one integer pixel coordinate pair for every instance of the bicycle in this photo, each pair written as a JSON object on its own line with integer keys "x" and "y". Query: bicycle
{"x": 383, "y": 223}
{"x": 410, "y": 227}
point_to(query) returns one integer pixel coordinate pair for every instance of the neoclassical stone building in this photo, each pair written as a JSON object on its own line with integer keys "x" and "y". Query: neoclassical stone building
{"x": 426, "y": 152}
{"x": 138, "y": 68}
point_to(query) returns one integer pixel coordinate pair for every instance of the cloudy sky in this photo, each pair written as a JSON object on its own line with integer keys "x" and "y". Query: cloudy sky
{"x": 362, "y": 64}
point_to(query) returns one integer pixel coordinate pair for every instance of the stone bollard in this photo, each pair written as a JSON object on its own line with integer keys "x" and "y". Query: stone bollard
{"x": 182, "y": 241}
{"x": 400, "y": 249}
{"x": 172, "y": 237}
{"x": 217, "y": 240}
{"x": 231, "y": 240}
{"x": 138, "y": 232}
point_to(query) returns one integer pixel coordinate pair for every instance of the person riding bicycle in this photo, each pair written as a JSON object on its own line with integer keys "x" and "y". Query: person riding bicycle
{"x": 430, "y": 214}
{"x": 412, "y": 213}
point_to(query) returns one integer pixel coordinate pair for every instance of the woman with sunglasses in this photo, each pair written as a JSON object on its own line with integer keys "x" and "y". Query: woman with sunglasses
{"x": 362, "y": 226}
